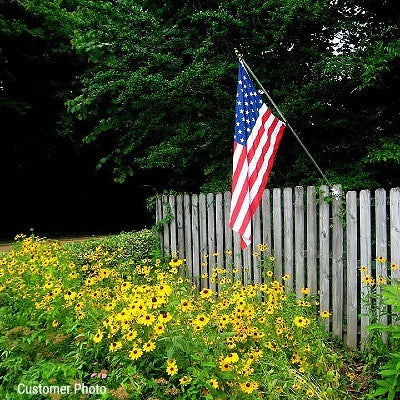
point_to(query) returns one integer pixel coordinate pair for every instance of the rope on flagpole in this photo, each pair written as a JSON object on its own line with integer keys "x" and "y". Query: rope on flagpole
{"x": 247, "y": 68}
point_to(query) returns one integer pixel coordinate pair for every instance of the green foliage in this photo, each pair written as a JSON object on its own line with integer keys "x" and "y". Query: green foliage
{"x": 127, "y": 248}
{"x": 184, "y": 69}
{"x": 388, "y": 150}
{"x": 64, "y": 322}
{"x": 155, "y": 86}
{"x": 388, "y": 387}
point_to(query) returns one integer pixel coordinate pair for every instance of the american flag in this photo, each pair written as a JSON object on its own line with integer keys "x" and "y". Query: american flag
{"x": 256, "y": 140}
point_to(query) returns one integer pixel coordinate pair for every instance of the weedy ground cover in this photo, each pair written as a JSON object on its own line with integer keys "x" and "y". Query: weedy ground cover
{"x": 106, "y": 313}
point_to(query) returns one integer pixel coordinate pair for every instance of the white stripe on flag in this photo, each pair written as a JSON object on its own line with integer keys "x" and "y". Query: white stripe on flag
{"x": 256, "y": 186}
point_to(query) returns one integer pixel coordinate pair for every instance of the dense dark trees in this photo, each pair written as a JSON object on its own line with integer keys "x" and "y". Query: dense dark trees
{"x": 146, "y": 89}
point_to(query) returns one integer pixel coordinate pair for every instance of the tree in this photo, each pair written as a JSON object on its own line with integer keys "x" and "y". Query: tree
{"x": 161, "y": 85}
{"x": 157, "y": 94}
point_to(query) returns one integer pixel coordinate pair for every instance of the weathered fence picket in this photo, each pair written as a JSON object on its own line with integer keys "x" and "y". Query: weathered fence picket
{"x": 337, "y": 264}
{"x": 211, "y": 237}
{"x": 256, "y": 250}
{"x": 365, "y": 254}
{"x": 324, "y": 257}
{"x": 219, "y": 229}
{"x": 172, "y": 226}
{"x": 228, "y": 233}
{"x": 299, "y": 238}
{"x": 322, "y": 244}
{"x": 277, "y": 228}
{"x": 266, "y": 219}
{"x": 188, "y": 233}
{"x": 395, "y": 231}
{"x": 288, "y": 239}
{"x": 381, "y": 243}
{"x": 312, "y": 271}
{"x": 166, "y": 227}
{"x": 196, "y": 240}
{"x": 179, "y": 225}
{"x": 203, "y": 238}
{"x": 352, "y": 268}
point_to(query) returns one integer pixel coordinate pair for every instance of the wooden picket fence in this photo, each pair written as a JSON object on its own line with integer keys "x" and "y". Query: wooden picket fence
{"x": 319, "y": 239}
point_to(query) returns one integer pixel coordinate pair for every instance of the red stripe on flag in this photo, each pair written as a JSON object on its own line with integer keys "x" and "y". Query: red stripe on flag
{"x": 256, "y": 142}
{"x": 260, "y": 160}
{"x": 255, "y": 203}
{"x": 244, "y": 189}
{"x": 254, "y": 176}
{"x": 237, "y": 206}
{"x": 240, "y": 203}
{"x": 239, "y": 165}
{"x": 243, "y": 244}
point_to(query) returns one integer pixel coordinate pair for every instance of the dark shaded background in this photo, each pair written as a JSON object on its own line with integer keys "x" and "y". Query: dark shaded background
{"x": 60, "y": 194}
{"x": 48, "y": 182}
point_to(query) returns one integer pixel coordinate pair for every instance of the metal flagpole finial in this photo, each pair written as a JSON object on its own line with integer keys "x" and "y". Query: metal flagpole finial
{"x": 238, "y": 55}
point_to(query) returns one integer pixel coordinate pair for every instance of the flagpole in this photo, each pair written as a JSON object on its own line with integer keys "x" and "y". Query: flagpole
{"x": 240, "y": 57}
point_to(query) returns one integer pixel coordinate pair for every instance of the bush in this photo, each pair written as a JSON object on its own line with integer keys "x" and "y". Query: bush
{"x": 148, "y": 333}
{"x": 383, "y": 300}
{"x": 125, "y": 249}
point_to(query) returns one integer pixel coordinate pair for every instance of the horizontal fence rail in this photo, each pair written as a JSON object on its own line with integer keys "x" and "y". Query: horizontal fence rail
{"x": 319, "y": 239}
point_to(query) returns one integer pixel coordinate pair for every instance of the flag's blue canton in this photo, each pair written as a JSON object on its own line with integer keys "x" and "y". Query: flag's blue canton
{"x": 248, "y": 102}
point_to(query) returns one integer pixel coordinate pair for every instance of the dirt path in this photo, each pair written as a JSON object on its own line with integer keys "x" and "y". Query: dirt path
{"x": 7, "y": 246}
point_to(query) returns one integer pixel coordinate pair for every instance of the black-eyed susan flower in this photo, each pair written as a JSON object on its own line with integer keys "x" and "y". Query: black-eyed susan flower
{"x": 324, "y": 314}
{"x": 201, "y": 320}
{"x": 172, "y": 368}
{"x": 393, "y": 266}
{"x": 175, "y": 262}
{"x": 381, "y": 280}
{"x": 149, "y": 346}
{"x": 114, "y": 346}
{"x": 98, "y": 336}
{"x": 262, "y": 247}
{"x": 248, "y": 387}
{"x": 368, "y": 280}
{"x": 131, "y": 335}
{"x": 363, "y": 269}
{"x": 301, "y": 322}
{"x": 225, "y": 366}
{"x": 206, "y": 293}
{"x": 146, "y": 319}
{"x": 305, "y": 290}
{"x": 310, "y": 393}
{"x": 232, "y": 358}
{"x": 135, "y": 353}
{"x": 164, "y": 317}
{"x": 380, "y": 259}
{"x": 185, "y": 305}
{"x": 185, "y": 380}
{"x": 159, "y": 329}
{"x": 213, "y": 382}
